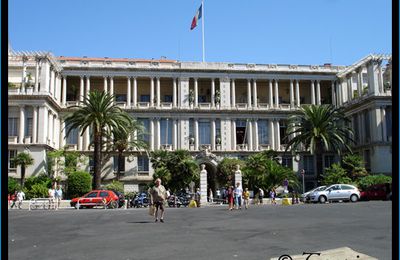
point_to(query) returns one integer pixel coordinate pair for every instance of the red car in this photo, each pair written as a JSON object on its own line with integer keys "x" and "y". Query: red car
{"x": 376, "y": 192}
{"x": 96, "y": 198}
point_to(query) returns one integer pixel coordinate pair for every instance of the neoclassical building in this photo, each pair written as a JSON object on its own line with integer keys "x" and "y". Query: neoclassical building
{"x": 212, "y": 109}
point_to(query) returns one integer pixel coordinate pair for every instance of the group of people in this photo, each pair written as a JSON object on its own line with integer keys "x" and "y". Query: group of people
{"x": 15, "y": 200}
{"x": 235, "y": 196}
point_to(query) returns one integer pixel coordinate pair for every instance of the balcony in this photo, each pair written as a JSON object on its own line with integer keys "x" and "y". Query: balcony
{"x": 13, "y": 139}
{"x": 263, "y": 105}
{"x": 284, "y": 106}
{"x": 143, "y": 105}
{"x": 241, "y": 106}
{"x": 121, "y": 104}
{"x": 263, "y": 147}
{"x": 166, "y": 105}
{"x": 241, "y": 147}
{"x": 205, "y": 105}
{"x": 204, "y": 147}
{"x": 27, "y": 140}
{"x": 72, "y": 103}
{"x": 71, "y": 147}
{"x": 166, "y": 147}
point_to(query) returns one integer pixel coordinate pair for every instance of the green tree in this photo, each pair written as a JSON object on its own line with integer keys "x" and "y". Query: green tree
{"x": 354, "y": 165}
{"x": 335, "y": 174}
{"x": 24, "y": 160}
{"x": 13, "y": 185}
{"x": 318, "y": 129}
{"x": 100, "y": 114}
{"x": 37, "y": 186}
{"x": 115, "y": 185}
{"x": 176, "y": 169}
{"x": 79, "y": 183}
{"x": 226, "y": 169}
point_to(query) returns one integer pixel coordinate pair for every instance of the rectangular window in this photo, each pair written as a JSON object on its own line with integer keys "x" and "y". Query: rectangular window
{"x": 328, "y": 160}
{"x": 218, "y": 128}
{"x": 120, "y": 97}
{"x": 11, "y": 155}
{"x": 144, "y": 98}
{"x": 282, "y": 132}
{"x": 202, "y": 99}
{"x": 143, "y": 163}
{"x": 168, "y": 98}
{"x": 13, "y": 126}
{"x": 308, "y": 164}
{"x": 287, "y": 162}
{"x": 72, "y": 137}
{"x": 145, "y": 136}
{"x": 166, "y": 131}
{"x": 204, "y": 132}
{"x": 28, "y": 127}
{"x": 121, "y": 164}
{"x": 263, "y": 132}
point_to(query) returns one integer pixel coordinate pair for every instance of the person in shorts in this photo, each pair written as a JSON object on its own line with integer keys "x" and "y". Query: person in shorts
{"x": 158, "y": 195}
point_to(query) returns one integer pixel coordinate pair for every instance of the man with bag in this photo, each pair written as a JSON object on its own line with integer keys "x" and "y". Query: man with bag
{"x": 158, "y": 195}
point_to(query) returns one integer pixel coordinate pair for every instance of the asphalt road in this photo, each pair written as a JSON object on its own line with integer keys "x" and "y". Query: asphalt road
{"x": 202, "y": 233}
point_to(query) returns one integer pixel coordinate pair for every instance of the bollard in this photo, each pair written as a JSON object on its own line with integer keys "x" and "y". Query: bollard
{"x": 126, "y": 204}
{"x": 77, "y": 205}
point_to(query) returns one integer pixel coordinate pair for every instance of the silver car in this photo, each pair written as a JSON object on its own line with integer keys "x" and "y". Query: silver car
{"x": 336, "y": 192}
{"x": 303, "y": 197}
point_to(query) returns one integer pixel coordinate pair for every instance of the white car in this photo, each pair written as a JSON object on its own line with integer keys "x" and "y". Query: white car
{"x": 303, "y": 197}
{"x": 344, "y": 192}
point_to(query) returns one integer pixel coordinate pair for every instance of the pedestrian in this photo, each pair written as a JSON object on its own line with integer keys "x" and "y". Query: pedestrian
{"x": 272, "y": 194}
{"x": 158, "y": 195}
{"x": 218, "y": 192}
{"x": 197, "y": 197}
{"x": 238, "y": 192}
{"x": 20, "y": 198}
{"x": 168, "y": 193}
{"x": 52, "y": 197}
{"x": 14, "y": 199}
{"x": 246, "y": 197}
{"x": 260, "y": 195}
{"x": 230, "y": 197}
{"x": 211, "y": 196}
{"x": 58, "y": 196}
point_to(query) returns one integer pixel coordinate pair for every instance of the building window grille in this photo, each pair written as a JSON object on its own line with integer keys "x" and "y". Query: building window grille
{"x": 13, "y": 126}
{"x": 143, "y": 164}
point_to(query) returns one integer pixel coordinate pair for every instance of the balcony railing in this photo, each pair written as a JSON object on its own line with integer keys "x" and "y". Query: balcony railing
{"x": 284, "y": 106}
{"x": 143, "y": 104}
{"x": 263, "y": 147}
{"x": 241, "y": 147}
{"x": 13, "y": 139}
{"x": 121, "y": 104}
{"x": 205, "y": 105}
{"x": 72, "y": 103}
{"x": 71, "y": 147}
{"x": 263, "y": 105}
{"x": 166, "y": 105}
{"x": 241, "y": 105}
{"x": 166, "y": 147}
{"x": 27, "y": 140}
{"x": 204, "y": 147}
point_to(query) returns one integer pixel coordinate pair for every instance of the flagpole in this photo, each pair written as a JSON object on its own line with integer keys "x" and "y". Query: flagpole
{"x": 202, "y": 27}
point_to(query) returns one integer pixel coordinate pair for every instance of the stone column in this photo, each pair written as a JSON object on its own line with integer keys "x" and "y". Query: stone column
{"x": 128, "y": 92}
{"x": 151, "y": 92}
{"x": 158, "y": 134}
{"x": 349, "y": 87}
{"x": 272, "y": 133}
{"x": 233, "y": 101}
{"x": 80, "y": 141}
{"x": 87, "y": 86}
{"x": 249, "y": 136}
{"x": 175, "y": 134}
{"x": 81, "y": 90}
{"x": 105, "y": 84}
{"x": 383, "y": 120}
{"x": 44, "y": 78}
{"x": 36, "y": 89}
{"x": 318, "y": 93}
{"x": 134, "y": 92}
{"x": 196, "y": 93}
{"x": 212, "y": 93}
{"x": 271, "y": 94}
{"x": 56, "y": 90}
{"x": 183, "y": 91}
{"x": 87, "y": 139}
{"x": 196, "y": 134}
{"x": 248, "y": 93}
{"x": 276, "y": 94}
{"x": 43, "y": 123}
{"x": 339, "y": 92}
{"x": 34, "y": 124}
{"x": 213, "y": 134}
{"x": 203, "y": 185}
{"x": 312, "y": 92}
{"x": 62, "y": 134}
{"x": 360, "y": 82}
{"x": 158, "y": 92}
{"x": 174, "y": 94}
{"x": 277, "y": 135}
{"x": 64, "y": 91}
{"x": 21, "y": 124}
{"x": 380, "y": 78}
{"x": 50, "y": 131}
{"x": 233, "y": 135}
{"x": 333, "y": 93}
{"x": 52, "y": 87}
{"x": 291, "y": 91}
{"x": 297, "y": 93}
{"x": 255, "y": 130}
{"x": 112, "y": 86}
{"x": 255, "y": 103}
{"x": 151, "y": 141}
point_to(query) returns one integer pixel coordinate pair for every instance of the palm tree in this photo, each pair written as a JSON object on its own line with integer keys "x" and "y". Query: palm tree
{"x": 318, "y": 129}
{"x": 23, "y": 159}
{"x": 100, "y": 114}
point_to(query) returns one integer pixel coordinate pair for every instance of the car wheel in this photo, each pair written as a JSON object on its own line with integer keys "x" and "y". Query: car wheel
{"x": 353, "y": 198}
{"x": 322, "y": 199}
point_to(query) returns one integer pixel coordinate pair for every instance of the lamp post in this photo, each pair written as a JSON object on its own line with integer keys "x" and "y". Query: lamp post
{"x": 302, "y": 175}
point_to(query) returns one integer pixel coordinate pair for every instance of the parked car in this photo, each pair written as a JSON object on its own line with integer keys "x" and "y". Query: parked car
{"x": 121, "y": 198}
{"x": 303, "y": 197}
{"x": 377, "y": 192}
{"x": 96, "y": 198}
{"x": 336, "y": 192}
{"x": 140, "y": 200}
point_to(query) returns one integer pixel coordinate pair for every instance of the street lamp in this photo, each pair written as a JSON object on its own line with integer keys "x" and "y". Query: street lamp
{"x": 302, "y": 175}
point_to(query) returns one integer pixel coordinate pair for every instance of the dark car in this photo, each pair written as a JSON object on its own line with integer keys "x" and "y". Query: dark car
{"x": 121, "y": 198}
{"x": 377, "y": 192}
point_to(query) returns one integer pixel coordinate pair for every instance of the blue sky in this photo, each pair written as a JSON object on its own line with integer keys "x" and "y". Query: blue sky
{"x": 256, "y": 31}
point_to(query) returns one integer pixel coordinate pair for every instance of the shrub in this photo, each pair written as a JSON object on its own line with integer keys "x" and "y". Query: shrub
{"x": 13, "y": 185}
{"x": 335, "y": 174}
{"x": 78, "y": 184}
{"x": 115, "y": 185}
{"x": 372, "y": 180}
{"x": 37, "y": 190}
{"x": 42, "y": 179}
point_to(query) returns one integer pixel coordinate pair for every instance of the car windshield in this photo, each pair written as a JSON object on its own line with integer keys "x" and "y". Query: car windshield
{"x": 320, "y": 188}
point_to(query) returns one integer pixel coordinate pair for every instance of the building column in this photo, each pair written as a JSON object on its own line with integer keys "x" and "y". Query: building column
{"x": 333, "y": 94}
{"x": 380, "y": 78}
{"x": 349, "y": 88}
{"x": 64, "y": 91}
{"x": 105, "y": 84}
{"x": 134, "y": 92}
{"x": 54, "y": 130}
{"x": 196, "y": 134}
{"x": 318, "y": 93}
{"x": 36, "y": 89}
{"x": 158, "y": 92}
{"x": 151, "y": 92}
{"x": 21, "y": 124}
{"x": 212, "y": 93}
{"x": 297, "y": 93}
{"x": 112, "y": 87}
{"x": 62, "y": 134}
{"x": 50, "y": 130}
{"x": 384, "y": 130}
{"x": 233, "y": 91}
{"x": 291, "y": 91}
{"x": 312, "y": 93}
{"x": 213, "y": 134}
{"x": 56, "y": 90}
{"x": 233, "y": 134}
{"x": 249, "y": 136}
{"x": 158, "y": 134}
{"x": 174, "y": 94}
{"x": 174, "y": 133}
{"x": 255, "y": 130}
{"x": 52, "y": 85}
{"x": 255, "y": 101}
{"x": 43, "y": 122}
{"x": 128, "y": 92}
{"x": 87, "y": 139}
{"x": 151, "y": 141}
{"x": 339, "y": 93}
{"x": 360, "y": 82}
{"x": 277, "y": 135}
{"x": 248, "y": 93}
{"x": 81, "y": 93}
{"x": 276, "y": 94}
{"x": 34, "y": 124}
{"x": 272, "y": 133}
{"x": 80, "y": 140}
{"x": 87, "y": 86}
{"x": 271, "y": 94}
{"x": 196, "y": 93}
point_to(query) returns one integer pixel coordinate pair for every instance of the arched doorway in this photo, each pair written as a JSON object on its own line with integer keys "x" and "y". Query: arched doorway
{"x": 210, "y": 180}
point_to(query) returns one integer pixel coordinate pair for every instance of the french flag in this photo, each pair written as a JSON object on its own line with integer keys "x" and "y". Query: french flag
{"x": 197, "y": 17}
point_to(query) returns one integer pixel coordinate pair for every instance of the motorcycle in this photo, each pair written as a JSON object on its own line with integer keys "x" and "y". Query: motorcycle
{"x": 141, "y": 200}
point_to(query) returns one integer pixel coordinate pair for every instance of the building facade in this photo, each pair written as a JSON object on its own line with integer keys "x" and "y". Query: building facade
{"x": 214, "y": 110}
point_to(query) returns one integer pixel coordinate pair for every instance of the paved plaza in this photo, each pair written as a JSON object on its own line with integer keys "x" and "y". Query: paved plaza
{"x": 201, "y": 233}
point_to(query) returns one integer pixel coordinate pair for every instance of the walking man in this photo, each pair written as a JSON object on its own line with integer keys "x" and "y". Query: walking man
{"x": 238, "y": 192}
{"x": 20, "y": 198}
{"x": 158, "y": 195}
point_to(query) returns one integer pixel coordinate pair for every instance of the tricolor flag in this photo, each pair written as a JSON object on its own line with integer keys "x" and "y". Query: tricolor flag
{"x": 197, "y": 17}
